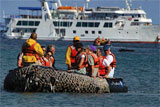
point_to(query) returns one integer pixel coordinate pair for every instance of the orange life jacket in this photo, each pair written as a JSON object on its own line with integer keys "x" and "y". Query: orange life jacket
{"x": 45, "y": 62}
{"x": 101, "y": 69}
{"x": 29, "y": 50}
{"x": 52, "y": 59}
{"x": 78, "y": 59}
{"x": 113, "y": 64}
{"x": 96, "y": 60}
{"x": 73, "y": 54}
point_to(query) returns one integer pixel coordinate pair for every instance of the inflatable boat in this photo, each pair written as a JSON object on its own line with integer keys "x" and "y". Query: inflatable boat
{"x": 43, "y": 79}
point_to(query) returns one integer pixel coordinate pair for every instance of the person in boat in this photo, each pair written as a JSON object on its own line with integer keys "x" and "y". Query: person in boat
{"x": 97, "y": 41}
{"x": 102, "y": 42}
{"x": 109, "y": 62}
{"x": 93, "y": 61}
{"x": 45, "y": 60}
{"x": 108, "y": 42}
{"x": 51, "y": 48}
{"x": 102, "y": 69}
{"x": 19, "y": 60}
{"x": 71, "y": 53}
{"x": 81, "y": 59}
{"x": 44, "y": 49}
{"x": 31, "y": 50}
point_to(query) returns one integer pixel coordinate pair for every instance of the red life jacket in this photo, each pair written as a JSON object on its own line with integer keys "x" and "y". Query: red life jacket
{"x": 113, "y": 64}
{"x": 29, "y": 50}
{"x": 73, "y": 54}
{"x": 45, "y": 62}
{"x": 78, "y": 59}
{"x": 101, "y": 69}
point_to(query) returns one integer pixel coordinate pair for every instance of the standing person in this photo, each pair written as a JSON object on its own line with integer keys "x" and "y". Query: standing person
{"x": 109, "y": 62}
{"x": 93, "y": 62}
{"x": 51, "y": 48}
{"x": 71, "y": 54}
{"x": 31, "y": 49}
{"x": 81, "y": 59}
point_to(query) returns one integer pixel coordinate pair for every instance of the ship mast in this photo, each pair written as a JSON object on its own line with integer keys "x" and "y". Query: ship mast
{"x": 128, "y": 5}
{"x": 87, "y": 1}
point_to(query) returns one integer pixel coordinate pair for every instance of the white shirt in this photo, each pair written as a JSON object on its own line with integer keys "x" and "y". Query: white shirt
{"x": 107, "y": 60}
{"x": 83, "y": 56}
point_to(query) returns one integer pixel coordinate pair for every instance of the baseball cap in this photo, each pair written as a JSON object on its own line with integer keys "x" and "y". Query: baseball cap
{"x": 76, "y": 38}
{"x": 106, "y": 47}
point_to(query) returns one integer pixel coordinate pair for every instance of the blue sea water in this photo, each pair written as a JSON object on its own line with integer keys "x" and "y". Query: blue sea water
{"x": 140, "y": 69}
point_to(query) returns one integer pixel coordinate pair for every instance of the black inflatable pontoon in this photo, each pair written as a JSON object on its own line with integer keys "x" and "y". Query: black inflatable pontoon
{"x": 43, "y": 79}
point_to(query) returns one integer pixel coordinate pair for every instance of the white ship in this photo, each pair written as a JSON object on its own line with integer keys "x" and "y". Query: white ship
{"x": 65, "y": 22}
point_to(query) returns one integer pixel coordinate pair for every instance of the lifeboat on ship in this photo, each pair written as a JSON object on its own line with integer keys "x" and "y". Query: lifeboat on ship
{"x": 69, "y": 9}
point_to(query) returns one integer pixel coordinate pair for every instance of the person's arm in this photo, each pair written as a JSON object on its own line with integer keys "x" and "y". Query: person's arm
{"x": 81, "y": 62}
{"x": 38, "y": 50}
{"x": 108, "y": 71}
{"x": 68, "y": 60}
{"x": 91, "y": 63}
{"x": 92, "y": 70}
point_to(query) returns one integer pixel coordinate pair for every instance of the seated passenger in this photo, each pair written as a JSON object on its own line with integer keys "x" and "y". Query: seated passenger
{"x": 109, "y": 62}
{"x": 102, "y": 69}
{"x": 103, "y": 41}
{"x": 51, "y": 48}
{"x": 46, "y": 60}
{"x": 40, "y": 58}
{"x": 97, "y": 41}
{"x": 81, "y": 59}
{"x": 93, "y": 61}
{"x": 19, "y": 60}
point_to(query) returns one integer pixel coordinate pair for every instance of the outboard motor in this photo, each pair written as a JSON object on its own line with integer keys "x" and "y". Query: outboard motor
{"x": 117, "y": 85}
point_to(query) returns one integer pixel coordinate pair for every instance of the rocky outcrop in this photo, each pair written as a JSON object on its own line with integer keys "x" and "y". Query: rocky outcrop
{"x": 43, "y": 79}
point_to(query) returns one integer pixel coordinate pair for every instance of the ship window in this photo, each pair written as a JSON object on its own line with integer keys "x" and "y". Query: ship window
{"x": 62, "y": 24}
{"x": 93, "y": 32}
{"x": 99, "y": 32}
{"x": 70, "y": 24}
{"x": 24, "y": 23}
{"x": 55, "y": 23}
{"x": 78, "y": 24}
{"x": 97, "y": 24}
{"x": 74, "y": 31}
{"x": 107, "y": 25}
{"x": 65, "y": 24}
{"x": 86, "y": 32}
{"x": 84, "y": 24}
{"x": 19, "y": 22}
{"x": 34, "y": 30}
{"x": 110, "y": 24}
{"x": 91, "y": 24}
{"x": 31, "y": 23}
{"x": 37, "y": 23}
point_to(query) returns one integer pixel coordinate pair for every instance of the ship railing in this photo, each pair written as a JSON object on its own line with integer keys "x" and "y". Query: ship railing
{"x": 31, "y": 17}
{"x": 22, "y": 16}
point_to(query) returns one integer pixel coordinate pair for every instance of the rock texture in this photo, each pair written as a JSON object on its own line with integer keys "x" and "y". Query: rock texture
{"x": 42, "y": 79}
